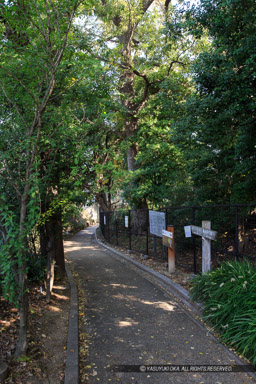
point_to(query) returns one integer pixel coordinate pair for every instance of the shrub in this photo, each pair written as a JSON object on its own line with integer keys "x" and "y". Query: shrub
{"x": 72, "y": 219}
{"x": 36, "y": 268}
{"x": 229, "y": 297}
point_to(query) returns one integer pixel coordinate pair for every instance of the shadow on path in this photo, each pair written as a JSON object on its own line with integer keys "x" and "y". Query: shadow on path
{"x": 132, "y": 322}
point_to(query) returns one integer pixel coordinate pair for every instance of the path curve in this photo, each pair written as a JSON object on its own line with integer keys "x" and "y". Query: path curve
{"x": 132, "y": 322}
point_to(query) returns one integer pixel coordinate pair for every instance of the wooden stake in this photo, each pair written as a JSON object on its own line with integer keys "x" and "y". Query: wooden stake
{"x": 206, "y": 249}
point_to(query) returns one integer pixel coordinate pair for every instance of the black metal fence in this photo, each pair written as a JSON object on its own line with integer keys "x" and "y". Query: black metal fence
{"x": 235, "y": 224}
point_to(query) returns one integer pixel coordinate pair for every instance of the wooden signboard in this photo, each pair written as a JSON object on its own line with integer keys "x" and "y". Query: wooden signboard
{"x": 207, "y": 235}
{"x": 167, "y": 238}
{"x": 203, "y": 232}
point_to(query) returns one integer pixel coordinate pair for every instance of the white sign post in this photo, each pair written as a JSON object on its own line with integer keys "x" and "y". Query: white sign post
{"x": 207, "y": 235}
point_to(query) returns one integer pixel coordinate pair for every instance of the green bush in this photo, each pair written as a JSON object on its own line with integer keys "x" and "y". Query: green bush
{"x": 229, "y": 297}
{"x": 36, "y": 268}
{"x": 72, "y": 218}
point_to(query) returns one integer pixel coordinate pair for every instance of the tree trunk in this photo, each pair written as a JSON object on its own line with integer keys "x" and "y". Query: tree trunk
{"x": 49, "y": 277}
{"x": 22, "y": 344}
{"x": 50, "y": 260}
{"x": 43, "y": 242}
{"x": 58, "y": 245}
{"x": 103, "y": 201}
{"x": 131, "y": 127}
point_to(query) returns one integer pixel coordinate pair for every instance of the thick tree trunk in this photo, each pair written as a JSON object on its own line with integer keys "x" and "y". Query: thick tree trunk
{"x": 131, "y": 127}
{"x": 103, "y": 201}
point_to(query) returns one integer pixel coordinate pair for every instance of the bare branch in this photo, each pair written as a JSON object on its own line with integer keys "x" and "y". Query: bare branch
{"x": 172, "y": 63}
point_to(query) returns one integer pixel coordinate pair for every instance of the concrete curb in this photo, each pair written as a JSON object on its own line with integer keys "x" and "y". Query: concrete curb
{"x": 72, "y": 355}
{"x": 183, "y": 295}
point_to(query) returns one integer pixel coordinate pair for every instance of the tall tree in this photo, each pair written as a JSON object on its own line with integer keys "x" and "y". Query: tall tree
{"x": 34, "y": 38}
{"x": 134, "y": 47}
{"x": 218, "y": 133}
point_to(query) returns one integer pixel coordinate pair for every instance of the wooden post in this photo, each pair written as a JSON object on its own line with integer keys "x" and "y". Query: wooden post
{"x": 207, "y": 235}
{"x": 171, "y": 251}
{"x": 206, "y": 249}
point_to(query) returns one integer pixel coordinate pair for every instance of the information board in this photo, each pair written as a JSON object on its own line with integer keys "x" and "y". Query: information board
{"x": 187, "y": 230}
{"x": 126, "y": 221}
{"x": 167, "y": 239}
{"x": 157, "y": 222}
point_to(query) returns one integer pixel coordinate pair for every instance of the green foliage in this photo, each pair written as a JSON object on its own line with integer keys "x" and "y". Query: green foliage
{"x": 160, "y": 171}
{"x": 34, "y": 37}
{"x": 36, "y": 267}
{"x": 217, "y": 132}
{"x": 229, "y": 297}
{"x": 72, "y": 218}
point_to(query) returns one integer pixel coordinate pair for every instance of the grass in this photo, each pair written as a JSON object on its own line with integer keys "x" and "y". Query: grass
{"x": 229, "y": 297}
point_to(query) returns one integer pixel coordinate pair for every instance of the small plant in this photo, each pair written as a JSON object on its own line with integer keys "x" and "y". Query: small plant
{"x": 24, "y": 359}
{"x": 229, "y": 297}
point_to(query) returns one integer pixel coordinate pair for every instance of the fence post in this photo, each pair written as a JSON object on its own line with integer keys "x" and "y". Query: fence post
{"x": 147, "y": 233}
{"x": 116, "y": 231}
{"x": 129, "y": 229}
{"x": 108, "y": 225}
{"x": 193, "y": 238}
{"x": 102, "y": 223}
{"x": 236, "y": 233}
{"x": 165, "y": 249}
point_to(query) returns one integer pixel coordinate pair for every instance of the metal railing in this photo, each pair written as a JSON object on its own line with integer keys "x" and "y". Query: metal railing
{"x": 235, "y": 224}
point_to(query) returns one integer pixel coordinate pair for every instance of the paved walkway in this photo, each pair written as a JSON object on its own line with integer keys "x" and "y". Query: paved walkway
{"x": 133, "y": 322}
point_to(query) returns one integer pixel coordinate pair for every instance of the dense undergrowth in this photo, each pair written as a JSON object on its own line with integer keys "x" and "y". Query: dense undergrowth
{"x": 229, "y": 297}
